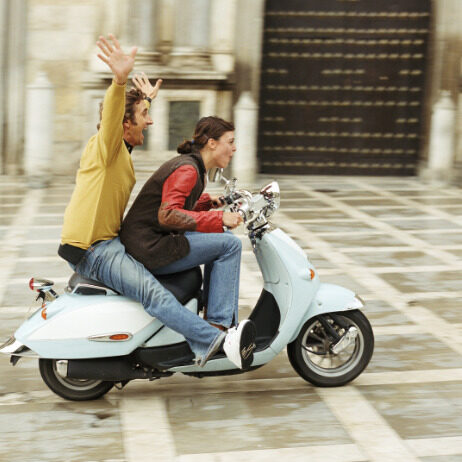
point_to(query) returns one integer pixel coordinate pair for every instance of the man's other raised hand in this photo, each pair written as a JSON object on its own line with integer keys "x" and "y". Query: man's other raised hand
{"x": 143, "y": 84}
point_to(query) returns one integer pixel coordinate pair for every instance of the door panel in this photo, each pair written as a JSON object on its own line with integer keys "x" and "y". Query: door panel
{"x": 342, "y": 86}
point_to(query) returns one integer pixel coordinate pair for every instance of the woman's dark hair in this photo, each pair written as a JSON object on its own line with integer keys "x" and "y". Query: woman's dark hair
{"x": 206, "y": 128}
{"x": 132, "y": 97}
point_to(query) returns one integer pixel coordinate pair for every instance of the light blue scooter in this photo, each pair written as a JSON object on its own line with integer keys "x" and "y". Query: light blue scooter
{"x": 90, "y": 338}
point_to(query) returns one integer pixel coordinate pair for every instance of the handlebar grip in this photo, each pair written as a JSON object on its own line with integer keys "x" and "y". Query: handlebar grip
{"x": 231, "y": 198}
{"x": 220, "y": 202}
{"x": 228, "y": 199}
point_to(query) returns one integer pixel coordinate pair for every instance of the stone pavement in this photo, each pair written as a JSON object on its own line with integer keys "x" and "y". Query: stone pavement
{"x": 395, "y": 241}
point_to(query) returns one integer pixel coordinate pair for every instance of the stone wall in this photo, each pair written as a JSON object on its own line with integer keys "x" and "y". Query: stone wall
{"x": 58, "y": 38}
{"x": 61, "y": 38}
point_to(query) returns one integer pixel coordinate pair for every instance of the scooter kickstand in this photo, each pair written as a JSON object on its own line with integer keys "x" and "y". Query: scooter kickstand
{"x": 120, "y": 385}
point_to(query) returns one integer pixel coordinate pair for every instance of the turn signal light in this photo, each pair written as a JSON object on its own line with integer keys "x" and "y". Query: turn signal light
{"x": 312, "y": 274}
{"x": 44, "y": 313}
{"x": 119, "y": 337}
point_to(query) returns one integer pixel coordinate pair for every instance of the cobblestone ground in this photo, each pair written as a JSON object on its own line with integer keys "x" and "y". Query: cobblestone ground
{"x": 396, "y": 242}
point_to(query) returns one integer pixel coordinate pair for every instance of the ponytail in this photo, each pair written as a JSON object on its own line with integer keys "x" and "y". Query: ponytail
{"x": 186, "y": 147}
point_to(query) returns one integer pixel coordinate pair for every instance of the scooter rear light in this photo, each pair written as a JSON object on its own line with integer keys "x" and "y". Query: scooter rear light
{"x": 40, "y": 284}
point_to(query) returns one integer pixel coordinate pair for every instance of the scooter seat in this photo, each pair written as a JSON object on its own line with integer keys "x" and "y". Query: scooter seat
{"x": 183, "y": 286}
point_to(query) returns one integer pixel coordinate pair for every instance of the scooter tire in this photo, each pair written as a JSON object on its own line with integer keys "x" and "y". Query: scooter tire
{"x": 71, "y": 389}
{"x": 305, "y": 364}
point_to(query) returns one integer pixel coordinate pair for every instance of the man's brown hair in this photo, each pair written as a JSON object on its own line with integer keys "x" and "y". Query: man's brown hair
{"x": 132, "y": 97}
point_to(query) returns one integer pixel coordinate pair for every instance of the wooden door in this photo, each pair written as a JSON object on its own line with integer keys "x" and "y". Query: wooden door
{"x": 342, "y": 86}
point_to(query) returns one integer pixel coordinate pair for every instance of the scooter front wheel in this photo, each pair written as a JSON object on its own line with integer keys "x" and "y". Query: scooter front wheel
{"x": 332, "y": 349}
{"x": 69, "y": 388}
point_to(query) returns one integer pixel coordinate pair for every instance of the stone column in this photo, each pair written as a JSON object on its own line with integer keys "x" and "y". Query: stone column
{"x": 191, "y": 24}
{"x": 248, "y": 45}
{"x": 114, "y": 18}
{"x": 248, "y": 38}
{"x": 190, "y": 44}
{"x": 143, "y": 24}
{"x": 442, "y": 138}
{"x": 222, "y": 34}
{"x": 39, "y": 131}
{"x": 3, "y": 77}
{"x": 244, "y": 165}
{"x": 147, "y": 24}
{"x": 458, "y": 153}
{"x": 166, "y": 23}
{"x": 444, "y": 73}
{"x": 14, "y": 84}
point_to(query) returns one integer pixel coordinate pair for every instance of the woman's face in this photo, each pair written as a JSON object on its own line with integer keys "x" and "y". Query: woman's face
{"x": 223, "y": 150}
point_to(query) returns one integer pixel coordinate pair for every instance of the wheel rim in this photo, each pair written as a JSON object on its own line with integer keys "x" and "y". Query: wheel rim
{"x": 318, "y": 357}
{"x": 70, "y": 383}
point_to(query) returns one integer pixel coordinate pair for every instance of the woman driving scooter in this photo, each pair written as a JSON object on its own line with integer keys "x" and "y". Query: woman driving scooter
{"x": 171, "y": 227}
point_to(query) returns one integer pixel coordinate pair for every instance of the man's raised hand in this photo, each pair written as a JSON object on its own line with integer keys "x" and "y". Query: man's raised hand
{"x": 143, "y": 84}
{"x": 119, "y": 63}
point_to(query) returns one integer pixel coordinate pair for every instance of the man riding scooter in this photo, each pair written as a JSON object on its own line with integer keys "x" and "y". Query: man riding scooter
{"x": 104, "y": 181}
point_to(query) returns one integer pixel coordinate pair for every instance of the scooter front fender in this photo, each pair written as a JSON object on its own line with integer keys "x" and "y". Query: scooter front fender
{"x": 330, "y": 298}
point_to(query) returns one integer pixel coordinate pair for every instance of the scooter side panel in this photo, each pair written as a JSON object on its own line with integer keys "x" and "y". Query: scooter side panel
{"x": 85, "y": 349}
{"x": 72, "y": 319}
{"x": 295, "y": 289}
{"x": 167, "y": 336}
{"x": 286, "y": 271}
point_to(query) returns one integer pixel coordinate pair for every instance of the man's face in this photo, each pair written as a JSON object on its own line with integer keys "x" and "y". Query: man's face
{"x": 133, "y": 132}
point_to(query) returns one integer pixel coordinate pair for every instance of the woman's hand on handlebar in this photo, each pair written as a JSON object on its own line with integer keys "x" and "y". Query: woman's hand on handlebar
{"x": 232, "y": 219}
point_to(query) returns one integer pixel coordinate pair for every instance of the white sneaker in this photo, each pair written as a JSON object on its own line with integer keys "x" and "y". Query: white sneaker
{"x": 239, "y": 344}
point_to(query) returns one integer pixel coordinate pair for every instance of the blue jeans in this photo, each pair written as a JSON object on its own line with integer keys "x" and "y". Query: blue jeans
{"x": 220, "y": 253}
{"x": 109, "y": 263}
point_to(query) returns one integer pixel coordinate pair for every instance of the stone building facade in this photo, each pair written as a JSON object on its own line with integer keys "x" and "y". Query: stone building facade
{"x": 208, "y": 52}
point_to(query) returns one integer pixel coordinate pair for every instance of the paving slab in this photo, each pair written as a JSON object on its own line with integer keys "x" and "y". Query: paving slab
{"x": 396, "y": 242}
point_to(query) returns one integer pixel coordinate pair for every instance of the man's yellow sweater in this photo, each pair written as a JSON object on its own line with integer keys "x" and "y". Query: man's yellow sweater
{"x": 104, "y": 180}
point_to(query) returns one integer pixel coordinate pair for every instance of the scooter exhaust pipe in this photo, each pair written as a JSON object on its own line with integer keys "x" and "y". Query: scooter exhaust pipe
{"x": 109, "y": 369}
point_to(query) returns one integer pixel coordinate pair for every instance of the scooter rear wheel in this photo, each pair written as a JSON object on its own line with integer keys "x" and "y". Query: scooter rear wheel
{"x": 69, "y": 388}
{"x": 311, "y": 355}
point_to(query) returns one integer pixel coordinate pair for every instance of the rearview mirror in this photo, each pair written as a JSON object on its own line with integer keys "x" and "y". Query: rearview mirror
{"x": 215, "y": 175}
{"x": 271, "y": 191}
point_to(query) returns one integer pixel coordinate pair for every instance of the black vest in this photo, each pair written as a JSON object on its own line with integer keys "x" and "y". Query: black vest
{"x": 142, "y": 235}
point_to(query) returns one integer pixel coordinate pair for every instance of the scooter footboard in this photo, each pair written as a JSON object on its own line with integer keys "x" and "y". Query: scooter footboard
{"x": 330, "y": 298}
